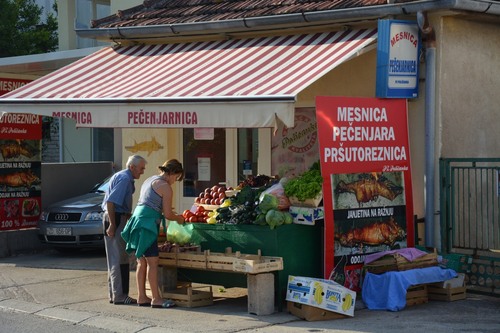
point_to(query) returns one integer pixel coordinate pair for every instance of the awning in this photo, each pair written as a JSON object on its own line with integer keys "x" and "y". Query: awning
{"x": 229, "y": 83}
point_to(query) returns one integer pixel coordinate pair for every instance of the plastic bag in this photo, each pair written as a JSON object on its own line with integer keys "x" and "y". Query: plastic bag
{"x": 179, "y": 233}
{"x": 278, "y": 191}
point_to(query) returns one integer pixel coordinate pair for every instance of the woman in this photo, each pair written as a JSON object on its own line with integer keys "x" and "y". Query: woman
{"x": 141, "y": 231}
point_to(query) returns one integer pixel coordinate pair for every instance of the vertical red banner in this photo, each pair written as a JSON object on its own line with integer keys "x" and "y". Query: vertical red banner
{"x": 367, "y": 190}
{"x": 20, "y": 166}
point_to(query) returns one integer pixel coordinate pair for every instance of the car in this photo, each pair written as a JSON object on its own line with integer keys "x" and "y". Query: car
{"x": 75, "y": 223}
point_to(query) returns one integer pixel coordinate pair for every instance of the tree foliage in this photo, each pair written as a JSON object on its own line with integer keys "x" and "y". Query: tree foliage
{"x": 23, "y": 32}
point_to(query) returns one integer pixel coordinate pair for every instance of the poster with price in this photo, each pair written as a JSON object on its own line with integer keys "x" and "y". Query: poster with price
{"x": 20, "y": 170}
{"x": 367, "y": 190}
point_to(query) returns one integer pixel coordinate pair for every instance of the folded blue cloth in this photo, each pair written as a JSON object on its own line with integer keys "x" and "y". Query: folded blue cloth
{"x": 387, "y": 291}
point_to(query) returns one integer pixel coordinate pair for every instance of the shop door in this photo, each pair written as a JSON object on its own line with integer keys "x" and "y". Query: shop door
{"x": 219, "y": 156}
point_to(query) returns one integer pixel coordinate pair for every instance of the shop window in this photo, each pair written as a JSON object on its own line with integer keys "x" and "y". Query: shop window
{"x": 86, "y": 11}
{"x": 204, "y": 159}
{"x": 102, "y": 144}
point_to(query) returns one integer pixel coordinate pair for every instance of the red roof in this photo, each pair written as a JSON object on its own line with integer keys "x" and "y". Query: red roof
{"x": 162, "y": 12}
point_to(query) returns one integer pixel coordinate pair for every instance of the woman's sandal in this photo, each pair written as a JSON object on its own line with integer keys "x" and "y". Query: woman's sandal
{"x": 165, "y": 305}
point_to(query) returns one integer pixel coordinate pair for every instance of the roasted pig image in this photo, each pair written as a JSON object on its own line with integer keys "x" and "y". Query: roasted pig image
{"x": 377, "y": 233}
{"x": 19, "y": 179}
{"x": 12, "y": 149}
{"x": 370, "y": 188}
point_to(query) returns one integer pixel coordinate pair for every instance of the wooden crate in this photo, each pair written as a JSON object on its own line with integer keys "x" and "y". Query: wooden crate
{"x": 311, "y": 313}
{"x": 396, "y": 262}
{"x": 447, "y": 294}
{"x": 190, "y": 297}
{"x": 417, "y": 295}
{"x": 257, "y": 264}
{"x": 225, "y": 262}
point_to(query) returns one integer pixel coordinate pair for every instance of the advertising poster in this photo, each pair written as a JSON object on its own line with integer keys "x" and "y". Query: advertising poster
{"x": 20, "y": 170}
{"x": 367, "y": 192}
{"x": 295, "y": 149}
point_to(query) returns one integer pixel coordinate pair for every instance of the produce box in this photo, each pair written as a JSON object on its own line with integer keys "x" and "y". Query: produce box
{"x": 448, "y": 294}
{"x": 306, "y": 215}
{"x": 396, "y": 262}
{"x": 257, "y": 265}
{"x": 306, "y": 203}
{"x": 225, "y": 262}
{"x": 320, "y": 293}
{"x": 190, "y": 297}
{"x": 417, "y": 295}
{"x": 311, "y": 313}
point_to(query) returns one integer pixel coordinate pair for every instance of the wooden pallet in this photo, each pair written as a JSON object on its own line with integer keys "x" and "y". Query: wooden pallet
{"x": 190, "y": 297}
{"x": 396, "y": 262}
{"x": 417, "y": 295}
{"x": 223, "y": 262}
{"x": 447, "y": 294}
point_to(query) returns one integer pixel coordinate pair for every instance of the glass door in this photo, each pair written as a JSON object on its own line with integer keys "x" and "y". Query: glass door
{"x": 218, "y": 156}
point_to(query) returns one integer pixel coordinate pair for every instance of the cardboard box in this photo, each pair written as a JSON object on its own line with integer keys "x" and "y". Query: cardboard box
{"x": 308, "y": 202}
{"x": 311, "y": 313}
{"x": 306, "y": 215}
{"x": 320, "y": 293}
{"x": 456, "y": 282}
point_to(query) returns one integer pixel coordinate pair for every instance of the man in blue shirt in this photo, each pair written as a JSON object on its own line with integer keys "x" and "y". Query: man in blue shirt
{"x": 117, "y": 206}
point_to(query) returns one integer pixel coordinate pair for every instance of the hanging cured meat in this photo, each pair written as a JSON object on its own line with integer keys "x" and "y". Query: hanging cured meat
{"x": 377, "y": 233}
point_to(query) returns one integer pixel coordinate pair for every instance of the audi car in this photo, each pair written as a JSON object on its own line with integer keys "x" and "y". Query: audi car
{"x": 76, "y": 222}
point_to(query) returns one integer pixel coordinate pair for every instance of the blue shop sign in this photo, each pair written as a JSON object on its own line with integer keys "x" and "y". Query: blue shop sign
{"x": 398, "y": 51}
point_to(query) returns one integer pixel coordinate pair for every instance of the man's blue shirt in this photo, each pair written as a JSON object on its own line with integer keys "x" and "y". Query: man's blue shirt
{"x": 120, "y": 191}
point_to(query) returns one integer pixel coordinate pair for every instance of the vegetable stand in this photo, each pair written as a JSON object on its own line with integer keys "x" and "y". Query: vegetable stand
{"x": 300, "y": 246}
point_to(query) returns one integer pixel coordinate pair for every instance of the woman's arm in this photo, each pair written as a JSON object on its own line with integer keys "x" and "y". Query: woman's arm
{"x": 166, "y": 192}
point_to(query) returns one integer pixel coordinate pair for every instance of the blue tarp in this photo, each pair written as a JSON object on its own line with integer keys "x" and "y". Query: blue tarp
{"x": 387, "y": 291}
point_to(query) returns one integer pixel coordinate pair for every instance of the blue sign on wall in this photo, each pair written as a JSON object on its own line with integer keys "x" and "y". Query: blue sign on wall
{"x": 398, "y": 51}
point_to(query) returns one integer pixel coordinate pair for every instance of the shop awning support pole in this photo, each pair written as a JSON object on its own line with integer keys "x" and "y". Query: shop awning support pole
{"x": 430, "y": 126}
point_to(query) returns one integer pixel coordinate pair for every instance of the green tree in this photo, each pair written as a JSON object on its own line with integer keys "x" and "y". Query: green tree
{"x": 23, "y": 32}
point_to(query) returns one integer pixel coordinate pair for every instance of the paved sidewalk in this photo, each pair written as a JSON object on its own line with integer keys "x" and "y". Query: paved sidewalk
{"x": 75, "y": 291}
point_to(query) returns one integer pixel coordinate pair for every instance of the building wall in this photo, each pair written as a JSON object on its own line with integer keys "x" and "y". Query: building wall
{"x": 469, "y": 81}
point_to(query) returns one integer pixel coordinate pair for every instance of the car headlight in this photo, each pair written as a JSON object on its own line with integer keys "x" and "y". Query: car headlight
{"x": 43, "y": 216}
{"x": 94, "y": 216}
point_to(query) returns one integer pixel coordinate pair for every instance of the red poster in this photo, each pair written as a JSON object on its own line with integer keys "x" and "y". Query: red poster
{"x": 20, "y": 170}
{"x": 367, "y": 192}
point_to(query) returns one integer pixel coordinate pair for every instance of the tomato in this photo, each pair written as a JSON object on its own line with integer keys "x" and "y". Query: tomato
{"x": 193, "y": 218}
{"x": 200, "y": 209}
{"x": 186, "y": 213}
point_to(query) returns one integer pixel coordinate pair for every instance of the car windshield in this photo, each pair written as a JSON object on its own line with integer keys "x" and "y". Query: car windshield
{"x": 101, "y": 187}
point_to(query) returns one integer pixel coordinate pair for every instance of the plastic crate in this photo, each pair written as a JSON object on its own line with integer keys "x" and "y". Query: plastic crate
{"x": 460, "y": 263}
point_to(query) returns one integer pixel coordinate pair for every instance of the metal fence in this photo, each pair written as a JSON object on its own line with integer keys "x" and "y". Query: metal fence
{"x": 470, "y": 204}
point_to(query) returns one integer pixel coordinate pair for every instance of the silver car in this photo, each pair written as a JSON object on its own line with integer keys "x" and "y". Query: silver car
{"x": 75, "y": 222}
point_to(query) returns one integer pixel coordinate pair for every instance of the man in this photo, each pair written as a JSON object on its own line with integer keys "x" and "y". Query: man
{"x": 117, "y": 206}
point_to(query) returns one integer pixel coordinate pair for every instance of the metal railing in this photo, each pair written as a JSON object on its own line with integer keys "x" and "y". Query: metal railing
{"x": 470, "y": 203}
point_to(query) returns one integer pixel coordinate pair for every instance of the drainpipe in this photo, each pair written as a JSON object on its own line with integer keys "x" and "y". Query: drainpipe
{"x": 430, "y": 101}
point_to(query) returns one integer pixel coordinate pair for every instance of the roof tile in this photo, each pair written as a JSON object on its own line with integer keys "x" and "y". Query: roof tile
{"x": 159, "y": 12}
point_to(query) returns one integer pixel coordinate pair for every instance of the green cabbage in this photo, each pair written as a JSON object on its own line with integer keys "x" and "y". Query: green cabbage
{"x": 268, "y": 202}
{"x": 275, "y": 218}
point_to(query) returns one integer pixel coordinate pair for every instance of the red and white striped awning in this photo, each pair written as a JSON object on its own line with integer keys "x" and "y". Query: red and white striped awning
{"x": 229, "y": 83}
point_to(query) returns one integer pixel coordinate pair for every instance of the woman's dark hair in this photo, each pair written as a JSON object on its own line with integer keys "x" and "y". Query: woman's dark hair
{"x": 173, "y": 167}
